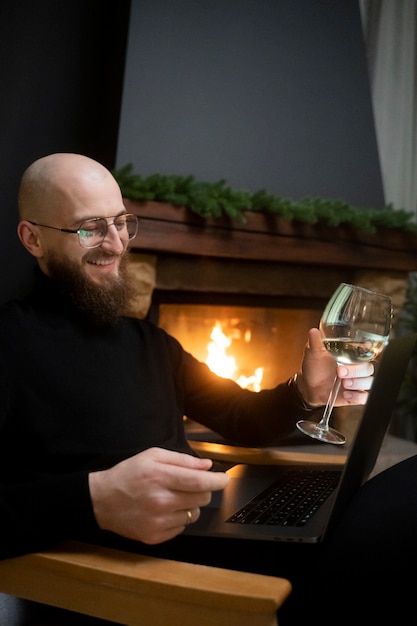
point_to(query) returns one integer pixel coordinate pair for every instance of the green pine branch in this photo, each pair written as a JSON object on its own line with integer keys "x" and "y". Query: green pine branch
{"x": 216, "y": 200}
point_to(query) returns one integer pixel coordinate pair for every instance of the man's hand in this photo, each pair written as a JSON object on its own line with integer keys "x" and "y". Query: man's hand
{"x": 147, "y": 497}
{"x": 319, "y": 369}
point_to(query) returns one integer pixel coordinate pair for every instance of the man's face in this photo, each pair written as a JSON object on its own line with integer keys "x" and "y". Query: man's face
{"x": 99, "y": 265}
{"x": 95, "y": 279}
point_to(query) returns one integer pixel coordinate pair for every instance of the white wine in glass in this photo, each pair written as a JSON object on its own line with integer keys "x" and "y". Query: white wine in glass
{"x": 355, "y": 328}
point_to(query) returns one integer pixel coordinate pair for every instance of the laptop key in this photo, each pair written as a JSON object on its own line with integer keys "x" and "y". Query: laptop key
{"x": 290, "y": 502}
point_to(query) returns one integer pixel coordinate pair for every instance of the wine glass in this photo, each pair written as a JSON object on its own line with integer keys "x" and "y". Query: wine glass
{"x": 355, "y": 328}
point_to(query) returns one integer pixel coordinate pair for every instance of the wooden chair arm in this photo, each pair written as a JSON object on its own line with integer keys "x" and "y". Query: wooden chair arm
{"x": 137, "y": 590}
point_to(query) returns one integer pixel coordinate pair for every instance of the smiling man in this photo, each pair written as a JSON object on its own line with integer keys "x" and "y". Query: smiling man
{"x": 58, "y": 205}
{"x": 92, "y": 401}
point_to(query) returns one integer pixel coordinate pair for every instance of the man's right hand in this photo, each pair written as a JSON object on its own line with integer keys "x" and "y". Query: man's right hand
{"x": 147, "y": 497}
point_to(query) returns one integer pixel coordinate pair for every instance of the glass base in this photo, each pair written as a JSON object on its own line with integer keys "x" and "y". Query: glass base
{"x": 326, "y": 435}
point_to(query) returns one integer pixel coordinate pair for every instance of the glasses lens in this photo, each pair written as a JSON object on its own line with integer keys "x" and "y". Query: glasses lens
{"x": 127, "y": 225}
{"x": 92, "y": 232}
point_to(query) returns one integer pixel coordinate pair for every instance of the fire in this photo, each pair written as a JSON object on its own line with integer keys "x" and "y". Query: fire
{"x": 225, "y": 365}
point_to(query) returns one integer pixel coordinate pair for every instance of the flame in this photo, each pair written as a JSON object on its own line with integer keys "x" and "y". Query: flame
{"x": 225, "y": 365}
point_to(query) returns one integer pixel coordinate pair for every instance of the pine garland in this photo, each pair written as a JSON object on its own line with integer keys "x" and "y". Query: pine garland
{"x": 216, "y": 200}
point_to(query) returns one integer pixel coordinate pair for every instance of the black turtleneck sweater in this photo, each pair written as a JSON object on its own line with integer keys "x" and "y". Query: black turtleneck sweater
{"x": 77, "y": 398}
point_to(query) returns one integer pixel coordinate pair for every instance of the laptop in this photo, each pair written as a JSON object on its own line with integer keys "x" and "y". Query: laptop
{"x": 247, "y": 508}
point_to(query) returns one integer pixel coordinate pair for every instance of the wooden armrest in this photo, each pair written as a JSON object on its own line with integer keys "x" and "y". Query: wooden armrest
{"x": 264, "y": 456}
{"x": 137, "y": 590}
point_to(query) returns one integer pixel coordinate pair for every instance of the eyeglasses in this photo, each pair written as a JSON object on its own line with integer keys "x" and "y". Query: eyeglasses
{"x": 92, "y": 232}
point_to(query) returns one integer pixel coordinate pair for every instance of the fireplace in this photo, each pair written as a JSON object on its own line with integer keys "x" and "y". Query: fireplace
{"x": 257, "y": 346}
{"x": 262, "y": 284}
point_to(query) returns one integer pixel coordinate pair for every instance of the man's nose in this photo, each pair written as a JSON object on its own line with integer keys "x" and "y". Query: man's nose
{"x": 112, "y": 241}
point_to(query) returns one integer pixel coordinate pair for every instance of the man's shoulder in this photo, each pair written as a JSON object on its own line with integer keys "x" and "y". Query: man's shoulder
{"x": 142, "y": 325}
{"x": 11, "y": 308}
{"x": 150, "y": 329}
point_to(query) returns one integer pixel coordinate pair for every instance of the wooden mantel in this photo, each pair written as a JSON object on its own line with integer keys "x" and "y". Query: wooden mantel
{"x": 267, "y": 259}
{"x": 174, "y": 230}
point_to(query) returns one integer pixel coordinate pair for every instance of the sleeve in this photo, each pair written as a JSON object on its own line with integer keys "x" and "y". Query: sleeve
{"x": 28, "y": 520}
{"x": 239, "y": 415}
{"x": 36, "y": 511}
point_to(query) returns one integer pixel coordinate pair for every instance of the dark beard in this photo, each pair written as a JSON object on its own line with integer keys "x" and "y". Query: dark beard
{"x": 100, "y": 304}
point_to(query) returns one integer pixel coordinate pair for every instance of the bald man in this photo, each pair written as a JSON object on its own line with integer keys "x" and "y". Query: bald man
{"x": 92, "y": 441}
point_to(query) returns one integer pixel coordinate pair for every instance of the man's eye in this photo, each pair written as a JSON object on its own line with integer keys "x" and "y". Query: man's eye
{"x": 120, "y": 223}
{"x": 86, "y": 233}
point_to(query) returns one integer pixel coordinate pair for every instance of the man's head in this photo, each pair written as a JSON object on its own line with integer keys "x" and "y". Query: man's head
{"x": 62, "y": 191}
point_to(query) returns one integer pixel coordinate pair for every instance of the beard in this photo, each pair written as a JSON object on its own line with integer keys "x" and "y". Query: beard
{"x": 101, "y": 304}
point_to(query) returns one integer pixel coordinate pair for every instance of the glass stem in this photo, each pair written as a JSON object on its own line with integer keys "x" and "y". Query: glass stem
{"x": 324, "y": 422}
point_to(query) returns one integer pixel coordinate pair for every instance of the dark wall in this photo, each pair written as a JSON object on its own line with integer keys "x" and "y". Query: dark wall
{"x": 267, "y": 94}
{"x": 61, "y": 75}
{"x": 264, "y": 93}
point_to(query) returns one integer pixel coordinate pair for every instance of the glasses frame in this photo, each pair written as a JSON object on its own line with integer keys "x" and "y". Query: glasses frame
{"x": 92, "y": 219}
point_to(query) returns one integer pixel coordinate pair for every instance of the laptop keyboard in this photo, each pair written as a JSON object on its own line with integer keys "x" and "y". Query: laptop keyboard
{"x": 291, "y": 501}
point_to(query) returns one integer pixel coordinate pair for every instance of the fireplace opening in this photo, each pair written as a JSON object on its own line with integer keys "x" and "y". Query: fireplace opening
{"x": 257, "y": 346}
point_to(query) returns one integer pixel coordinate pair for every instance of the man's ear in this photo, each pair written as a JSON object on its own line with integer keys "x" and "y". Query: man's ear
{"x": 28, "y": 235}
